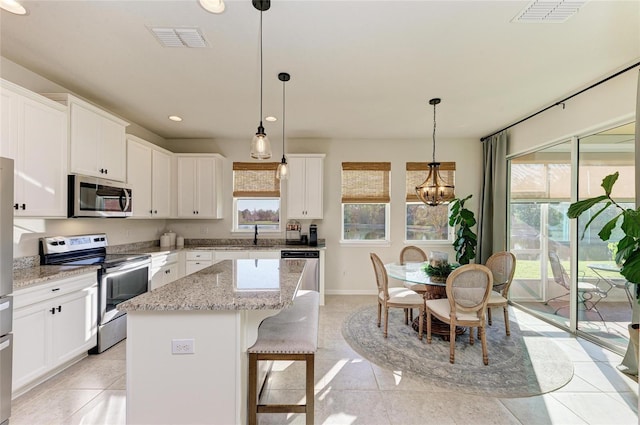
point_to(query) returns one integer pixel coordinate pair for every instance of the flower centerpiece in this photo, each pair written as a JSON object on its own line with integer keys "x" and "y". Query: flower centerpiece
{"x": 438, "y": 267}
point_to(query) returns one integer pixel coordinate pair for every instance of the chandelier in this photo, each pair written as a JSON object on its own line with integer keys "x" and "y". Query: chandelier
{"x": 435, "y": 190}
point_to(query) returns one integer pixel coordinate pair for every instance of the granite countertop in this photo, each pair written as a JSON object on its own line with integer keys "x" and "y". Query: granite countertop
{"x": 228, "y": 285}
{"x": 27, "y": 277}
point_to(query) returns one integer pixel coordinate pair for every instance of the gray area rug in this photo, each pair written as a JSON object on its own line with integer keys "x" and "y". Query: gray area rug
{"x": 521, "y": 365}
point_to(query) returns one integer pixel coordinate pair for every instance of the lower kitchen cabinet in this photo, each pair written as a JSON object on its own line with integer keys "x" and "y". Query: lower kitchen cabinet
{"x": 53, "y": 324}
{"x": 164, "y": 269}
{"x": 198, "y": 260}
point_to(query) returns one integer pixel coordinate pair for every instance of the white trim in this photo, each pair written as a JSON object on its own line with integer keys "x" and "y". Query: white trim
{"x": 377, "y": 242}
{"x": 234, "y": 218}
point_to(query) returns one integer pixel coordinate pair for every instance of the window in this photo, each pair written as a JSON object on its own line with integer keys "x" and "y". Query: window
{"x": 365, "y": 201}
{"x": 424, "y": 222}
{"x": 256, "y": 196}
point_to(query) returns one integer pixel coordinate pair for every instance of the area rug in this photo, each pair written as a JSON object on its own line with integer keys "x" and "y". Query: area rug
{"x": 521, "y": 365}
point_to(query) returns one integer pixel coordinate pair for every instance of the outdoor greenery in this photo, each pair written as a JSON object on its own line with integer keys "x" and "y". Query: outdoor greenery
{"x": 463, "y": 219}
{"x": 260, "y": 216}
{"x": 627, "y": 248}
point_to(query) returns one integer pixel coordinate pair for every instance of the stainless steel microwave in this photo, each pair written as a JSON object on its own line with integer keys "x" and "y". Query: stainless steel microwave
{"x": 94, "y": 197}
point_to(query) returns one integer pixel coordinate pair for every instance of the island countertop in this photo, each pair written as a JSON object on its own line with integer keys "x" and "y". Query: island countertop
{"x": 244, "y": 284}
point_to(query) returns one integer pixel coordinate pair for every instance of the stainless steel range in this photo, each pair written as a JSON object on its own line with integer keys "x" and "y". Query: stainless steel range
{"x": 120, "y": 277}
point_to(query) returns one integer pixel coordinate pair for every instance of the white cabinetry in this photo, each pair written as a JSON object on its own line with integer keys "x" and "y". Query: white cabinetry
{"x": 304, "y": 186}
{"x": 34, "y": 135}
{"x": 199, "y": 186}
{"x": 149, "y": 174}
{"x": 97, "y": 139}
{"x": 53, "y": 324}
{"x": 164, "y": 269}
{"x": 198, "y": 260}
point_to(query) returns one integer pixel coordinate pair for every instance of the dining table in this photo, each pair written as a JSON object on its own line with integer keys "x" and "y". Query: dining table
{"x": 413, "y": 277}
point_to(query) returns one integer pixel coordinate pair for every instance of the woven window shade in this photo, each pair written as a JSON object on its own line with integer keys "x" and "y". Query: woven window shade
{"x": 365, "y": 182}
{"x": 255, "y": 180}
{"x": 417, "y": 173}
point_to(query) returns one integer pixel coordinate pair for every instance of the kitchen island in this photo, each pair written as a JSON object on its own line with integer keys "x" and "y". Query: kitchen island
{"x": 187, "y": 341}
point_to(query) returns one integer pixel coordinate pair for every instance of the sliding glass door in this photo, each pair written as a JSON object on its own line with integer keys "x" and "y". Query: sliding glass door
{"x": 593, "y": 298}
{"x": 607, "y": 309}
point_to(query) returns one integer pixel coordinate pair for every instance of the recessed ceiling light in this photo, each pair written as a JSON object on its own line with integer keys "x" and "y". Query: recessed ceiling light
{"x": 271, "y": 118}
{"x": 213, "y": 6}
{"x": 175, "y": 118}
{"x": 13, "y": 6}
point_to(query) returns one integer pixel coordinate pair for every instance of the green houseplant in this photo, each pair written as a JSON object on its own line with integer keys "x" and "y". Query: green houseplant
{"x": 439, "y": 272}
{"x": 463, "y": 219}
{"x": 628, "y": 248}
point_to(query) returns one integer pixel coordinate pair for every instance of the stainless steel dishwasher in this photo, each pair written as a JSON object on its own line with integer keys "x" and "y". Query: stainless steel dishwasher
{"x": 311, "y": 277}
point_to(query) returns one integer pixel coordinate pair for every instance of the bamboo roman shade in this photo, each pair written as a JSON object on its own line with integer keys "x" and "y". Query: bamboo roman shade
{"x": 255, "y": 180}
{"x": 365, "y": 182}
{"x": 417, "y": 173}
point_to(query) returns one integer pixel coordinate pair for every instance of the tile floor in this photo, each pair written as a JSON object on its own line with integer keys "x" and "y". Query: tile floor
{"x": 350, "y": 390}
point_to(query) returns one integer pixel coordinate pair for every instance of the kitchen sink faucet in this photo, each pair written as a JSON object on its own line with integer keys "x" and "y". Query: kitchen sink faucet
{"x": 255, "y": 235}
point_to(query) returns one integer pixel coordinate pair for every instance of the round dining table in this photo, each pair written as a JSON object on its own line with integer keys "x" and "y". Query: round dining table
{"x": 413, "y": 277}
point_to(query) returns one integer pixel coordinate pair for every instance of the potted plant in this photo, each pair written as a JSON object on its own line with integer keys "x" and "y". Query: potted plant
{"x": 627, "y": 249}
{"x": 438, "y": 272}
{"x": 466, "y": 240}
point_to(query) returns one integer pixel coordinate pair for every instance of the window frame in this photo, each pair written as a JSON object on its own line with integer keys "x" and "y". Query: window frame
{"x": 450, "y": 231}
{"x": 235, "y": 224}
{"x": 387, "y": 226}
{"x": 253, "y": 189}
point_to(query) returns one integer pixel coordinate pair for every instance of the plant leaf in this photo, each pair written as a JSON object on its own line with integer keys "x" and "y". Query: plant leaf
{"x": 608, "y": 182}
{"x": 605, "y": 232}
{"x": 579, "y": 207}
{"x": 631, "y": 223}
{"x": 631, "y": 268}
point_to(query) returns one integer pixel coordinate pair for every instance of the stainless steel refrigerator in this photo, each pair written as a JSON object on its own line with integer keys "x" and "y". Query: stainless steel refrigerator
{"x": 6, "y": 287}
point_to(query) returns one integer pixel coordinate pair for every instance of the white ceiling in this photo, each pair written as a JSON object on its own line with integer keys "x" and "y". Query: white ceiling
{"x": 359, "y": 69}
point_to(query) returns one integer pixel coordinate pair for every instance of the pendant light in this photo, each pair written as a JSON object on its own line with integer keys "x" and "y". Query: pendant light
{"x": 283, "y": 169}
{"x": 260, "y": 145}
{"x": 434, "y": 190}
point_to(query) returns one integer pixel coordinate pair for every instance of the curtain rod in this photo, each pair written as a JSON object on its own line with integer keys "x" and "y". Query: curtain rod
{"x": 560, "y": 102}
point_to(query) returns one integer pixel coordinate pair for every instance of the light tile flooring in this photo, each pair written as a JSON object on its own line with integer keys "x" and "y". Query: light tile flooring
{"x": 351, "y": 390}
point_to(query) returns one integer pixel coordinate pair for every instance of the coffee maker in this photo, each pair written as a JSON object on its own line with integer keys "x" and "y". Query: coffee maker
{"x": 313, "y": 235}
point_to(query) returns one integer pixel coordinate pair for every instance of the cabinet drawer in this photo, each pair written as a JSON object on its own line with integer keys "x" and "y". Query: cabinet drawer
{"x": 199, "y": 255}
{"x": 28, "y": 296}
{"x": 160, "y": 260}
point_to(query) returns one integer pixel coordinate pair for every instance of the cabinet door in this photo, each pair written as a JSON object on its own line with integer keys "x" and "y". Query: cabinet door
{"x": 85, "y": 141}
{"x": 157, "y": 278}
{"x": 139, "y": 177}
{"x": 30, "y": 344}
{"x": 113, "y": 150}
{"x": 194, "y": 266}
{"x": 313, "y": 187}
{"x": 161, "y": 184}
{"x": 187, "y": 187}
{"x": 296, "y": 188}
{"x": 206, "y": 184}
{"x": 74, "y": 324}
{"x": 42, "y": 170}
{"x": 9, "y": 124}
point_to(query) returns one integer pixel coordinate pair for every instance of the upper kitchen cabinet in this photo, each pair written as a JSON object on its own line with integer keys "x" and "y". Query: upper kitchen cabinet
{"x": 304, "y": 186}
{"x": 34, "y": 134}
{"x": 97, "y": 140}
{"x": 199, "y": 185}
{"x": 149, "y": 175}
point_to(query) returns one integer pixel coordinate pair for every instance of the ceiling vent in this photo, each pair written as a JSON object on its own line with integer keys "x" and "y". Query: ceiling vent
{"x": 179, "y": 37}
{"x": 553, "y": 12}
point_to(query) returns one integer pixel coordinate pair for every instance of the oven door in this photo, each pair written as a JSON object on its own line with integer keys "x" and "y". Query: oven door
{"x": 118, "y": 284}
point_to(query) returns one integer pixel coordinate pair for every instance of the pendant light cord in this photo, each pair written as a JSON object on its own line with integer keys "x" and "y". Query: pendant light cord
{"x": 434, "y": 133}
{"x": 283, "y": 115}
{"x": 261, "y": 68}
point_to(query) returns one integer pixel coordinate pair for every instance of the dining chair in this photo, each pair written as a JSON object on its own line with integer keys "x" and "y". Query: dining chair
{"x": 395, "y": 297}
{"x": 586, "y": 290}
{"x": 503, "y": 266}
{"x": 412, "y": 254}
{"x": 468, "y": 290}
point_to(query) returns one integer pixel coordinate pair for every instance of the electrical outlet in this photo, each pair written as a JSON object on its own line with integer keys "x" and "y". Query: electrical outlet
{"x": 183, "y": 346}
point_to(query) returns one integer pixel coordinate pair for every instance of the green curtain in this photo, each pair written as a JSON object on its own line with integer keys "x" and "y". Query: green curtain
{"x": 492, "y": 219}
